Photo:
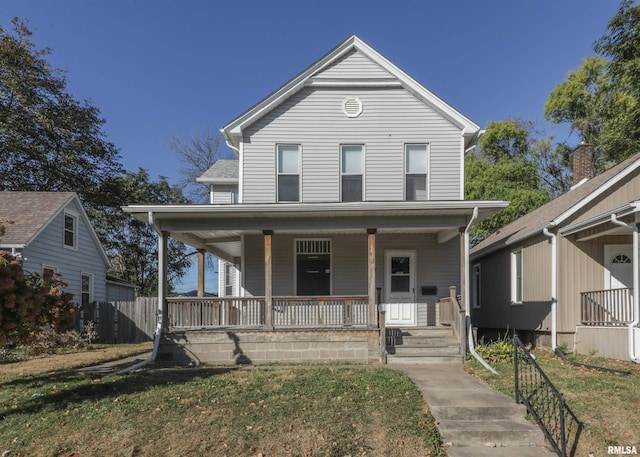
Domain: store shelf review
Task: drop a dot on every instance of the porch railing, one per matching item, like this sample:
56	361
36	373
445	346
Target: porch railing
613	307
213	312
451	312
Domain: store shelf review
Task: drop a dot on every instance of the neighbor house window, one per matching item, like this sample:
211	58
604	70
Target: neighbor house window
49	272
416	164
288	173
86	283
516	276
70	229
351	172
475	287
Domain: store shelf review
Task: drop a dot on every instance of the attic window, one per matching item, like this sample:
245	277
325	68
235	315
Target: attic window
352	106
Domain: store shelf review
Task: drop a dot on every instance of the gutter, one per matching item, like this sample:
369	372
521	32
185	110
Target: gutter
158	332
554	287
636	288
467	302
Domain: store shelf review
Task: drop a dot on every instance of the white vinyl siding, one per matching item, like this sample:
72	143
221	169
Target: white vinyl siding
516	277
351	166
313	118
354	65
222	194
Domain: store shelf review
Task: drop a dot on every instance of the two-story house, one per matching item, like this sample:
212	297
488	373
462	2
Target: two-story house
51	234
346	194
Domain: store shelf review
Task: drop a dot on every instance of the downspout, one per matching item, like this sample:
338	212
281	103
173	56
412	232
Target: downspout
554	287
636	287
158	333
467	301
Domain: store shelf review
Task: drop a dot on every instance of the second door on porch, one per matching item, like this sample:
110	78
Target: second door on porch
400	280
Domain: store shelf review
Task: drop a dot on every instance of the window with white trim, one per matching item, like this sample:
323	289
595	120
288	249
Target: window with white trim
70	231
288	173
228	280
416	169
87	288
351	172
516	277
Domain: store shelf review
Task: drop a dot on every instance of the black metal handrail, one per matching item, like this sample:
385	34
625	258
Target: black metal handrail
541	398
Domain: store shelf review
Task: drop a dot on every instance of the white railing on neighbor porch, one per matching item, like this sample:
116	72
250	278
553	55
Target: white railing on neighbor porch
310	312
613	307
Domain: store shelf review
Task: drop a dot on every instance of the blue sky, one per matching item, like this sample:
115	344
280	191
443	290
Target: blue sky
163	68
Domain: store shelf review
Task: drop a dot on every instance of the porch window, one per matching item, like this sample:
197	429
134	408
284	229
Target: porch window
70	228
86	283
228	280
313	267
516	277
351	171
288	173
475	287
416	169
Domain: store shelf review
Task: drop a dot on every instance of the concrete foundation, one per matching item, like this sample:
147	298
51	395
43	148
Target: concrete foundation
246	346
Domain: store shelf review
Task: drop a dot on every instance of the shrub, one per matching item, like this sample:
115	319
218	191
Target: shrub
29	302
500	351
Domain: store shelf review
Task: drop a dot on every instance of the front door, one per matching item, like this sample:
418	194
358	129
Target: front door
400	280
618	266
313	267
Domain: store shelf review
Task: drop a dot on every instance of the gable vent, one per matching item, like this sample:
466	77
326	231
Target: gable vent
352	106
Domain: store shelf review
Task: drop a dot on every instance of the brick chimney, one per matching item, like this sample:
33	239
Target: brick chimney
582	162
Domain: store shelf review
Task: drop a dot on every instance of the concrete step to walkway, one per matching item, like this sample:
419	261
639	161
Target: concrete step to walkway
422	359
473	419
426	345
410	350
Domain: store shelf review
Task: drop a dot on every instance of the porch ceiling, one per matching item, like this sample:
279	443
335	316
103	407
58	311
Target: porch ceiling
218	228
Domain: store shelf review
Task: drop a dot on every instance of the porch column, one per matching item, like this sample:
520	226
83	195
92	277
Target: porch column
163	278
268	287
371	278
201	272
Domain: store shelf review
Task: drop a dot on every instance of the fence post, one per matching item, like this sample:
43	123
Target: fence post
515	369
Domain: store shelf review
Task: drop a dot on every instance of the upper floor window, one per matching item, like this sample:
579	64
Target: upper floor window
70	230
516	277
416	172
351	173
288	173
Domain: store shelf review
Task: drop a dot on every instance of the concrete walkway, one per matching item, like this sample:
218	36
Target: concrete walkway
473	419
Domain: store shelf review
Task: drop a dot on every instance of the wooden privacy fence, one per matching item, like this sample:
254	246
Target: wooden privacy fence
120	321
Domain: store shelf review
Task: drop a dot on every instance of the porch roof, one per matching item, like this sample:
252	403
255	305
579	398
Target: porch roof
218	228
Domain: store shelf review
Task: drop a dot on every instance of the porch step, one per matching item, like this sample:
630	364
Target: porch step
424	345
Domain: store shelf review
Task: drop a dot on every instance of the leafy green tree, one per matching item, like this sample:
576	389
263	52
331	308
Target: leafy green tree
132	245
502	168
621	45
48	140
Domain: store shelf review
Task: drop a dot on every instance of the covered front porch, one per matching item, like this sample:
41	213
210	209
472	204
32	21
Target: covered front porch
314	280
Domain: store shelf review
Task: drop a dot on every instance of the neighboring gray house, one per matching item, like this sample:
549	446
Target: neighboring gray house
347	191
566	272
51	232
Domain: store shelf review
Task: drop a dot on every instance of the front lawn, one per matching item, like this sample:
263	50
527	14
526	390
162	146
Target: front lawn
607	404
302	411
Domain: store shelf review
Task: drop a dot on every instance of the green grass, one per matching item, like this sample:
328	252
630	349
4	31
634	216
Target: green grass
300	411
606	404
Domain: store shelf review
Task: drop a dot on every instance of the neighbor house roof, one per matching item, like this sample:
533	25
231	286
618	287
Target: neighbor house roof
223	171
30	212
233	130
558	210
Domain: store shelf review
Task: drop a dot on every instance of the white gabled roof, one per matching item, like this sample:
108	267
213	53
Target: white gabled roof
233	130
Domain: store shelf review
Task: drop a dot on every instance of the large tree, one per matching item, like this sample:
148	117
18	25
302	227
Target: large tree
503	167
132	245
601	99
197	155
48	140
